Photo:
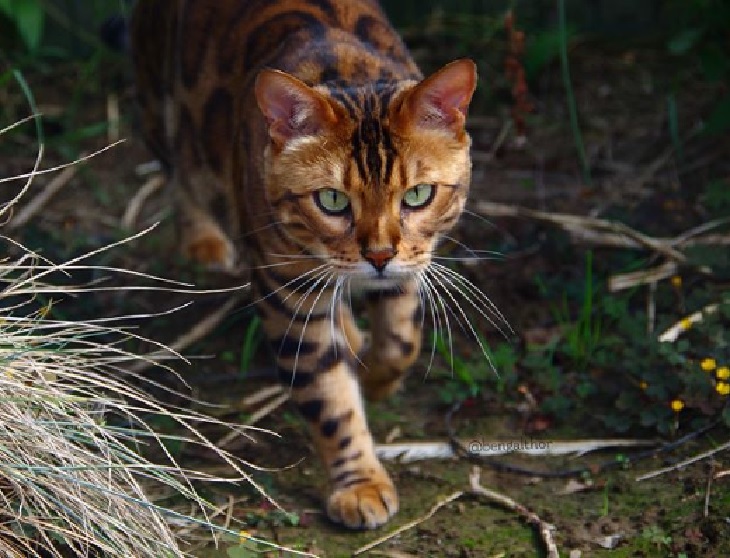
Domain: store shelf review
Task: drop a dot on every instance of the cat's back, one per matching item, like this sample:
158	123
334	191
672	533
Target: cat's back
208	40
202	56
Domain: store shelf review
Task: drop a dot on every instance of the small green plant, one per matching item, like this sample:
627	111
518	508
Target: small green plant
583	335
604	367
656	536
468	378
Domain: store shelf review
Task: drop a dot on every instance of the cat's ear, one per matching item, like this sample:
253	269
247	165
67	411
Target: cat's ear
292	109
441	100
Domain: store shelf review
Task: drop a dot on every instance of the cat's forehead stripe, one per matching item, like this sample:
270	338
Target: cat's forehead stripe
373	150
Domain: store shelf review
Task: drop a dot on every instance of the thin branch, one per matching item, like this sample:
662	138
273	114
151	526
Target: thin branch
546	529
682	464
673	333
436	507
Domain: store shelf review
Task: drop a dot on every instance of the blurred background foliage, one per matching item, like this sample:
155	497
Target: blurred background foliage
41	33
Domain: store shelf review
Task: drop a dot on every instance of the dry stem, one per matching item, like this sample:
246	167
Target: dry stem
684	463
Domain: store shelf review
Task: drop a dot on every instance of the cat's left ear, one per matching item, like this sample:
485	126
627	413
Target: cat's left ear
441	100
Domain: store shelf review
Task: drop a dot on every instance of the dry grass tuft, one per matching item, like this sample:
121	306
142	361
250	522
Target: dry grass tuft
72	482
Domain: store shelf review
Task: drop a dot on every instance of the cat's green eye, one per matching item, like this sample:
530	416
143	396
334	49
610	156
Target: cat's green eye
331	201
418	196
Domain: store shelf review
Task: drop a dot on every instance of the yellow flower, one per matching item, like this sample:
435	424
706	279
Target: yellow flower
643	384
243	536
723	388
723	373
676	281
685	323
708	364
677	405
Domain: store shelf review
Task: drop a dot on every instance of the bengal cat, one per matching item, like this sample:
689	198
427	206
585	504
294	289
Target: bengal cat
300	136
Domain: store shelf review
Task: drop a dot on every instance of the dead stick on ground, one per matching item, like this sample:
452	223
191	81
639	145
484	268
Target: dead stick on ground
576	224
684	463
546	529
153	184
37	203
197	332
267	409
436	507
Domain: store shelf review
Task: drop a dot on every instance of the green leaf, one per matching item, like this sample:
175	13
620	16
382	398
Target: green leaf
28	18
683	42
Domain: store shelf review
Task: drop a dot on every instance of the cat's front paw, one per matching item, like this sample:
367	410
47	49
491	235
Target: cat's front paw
364	506
213	251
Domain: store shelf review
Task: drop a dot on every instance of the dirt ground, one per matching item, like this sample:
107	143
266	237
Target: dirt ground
636	175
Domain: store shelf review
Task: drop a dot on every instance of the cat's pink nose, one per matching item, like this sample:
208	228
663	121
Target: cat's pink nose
379	258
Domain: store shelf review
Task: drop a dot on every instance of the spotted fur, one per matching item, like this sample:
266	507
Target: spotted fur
255	107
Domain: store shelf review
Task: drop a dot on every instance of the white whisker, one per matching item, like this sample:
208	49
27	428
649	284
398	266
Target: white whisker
438	279
438	303
459	280
306	322
285	285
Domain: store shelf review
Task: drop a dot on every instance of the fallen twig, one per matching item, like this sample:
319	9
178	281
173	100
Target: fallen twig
545	529
134	206
262	395
588	227
684	463
39	202
611	233
505	467
406	452
647	276
436	507
673	333
197	332
255	417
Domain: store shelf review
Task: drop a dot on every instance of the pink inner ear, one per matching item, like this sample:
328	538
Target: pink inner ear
443	98
292	109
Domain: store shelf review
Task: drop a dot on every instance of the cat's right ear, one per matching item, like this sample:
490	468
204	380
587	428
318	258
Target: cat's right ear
292	109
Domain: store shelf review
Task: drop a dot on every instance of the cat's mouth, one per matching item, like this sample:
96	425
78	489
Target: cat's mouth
366	276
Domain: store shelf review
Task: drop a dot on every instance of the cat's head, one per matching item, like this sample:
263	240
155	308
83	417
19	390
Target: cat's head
368	178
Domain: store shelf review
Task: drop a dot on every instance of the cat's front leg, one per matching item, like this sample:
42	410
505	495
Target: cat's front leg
396	321
315	359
